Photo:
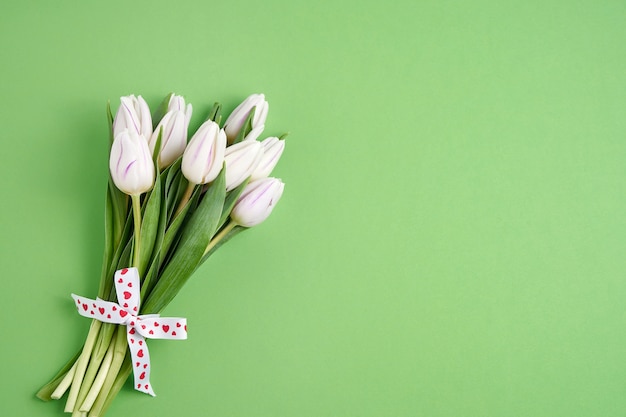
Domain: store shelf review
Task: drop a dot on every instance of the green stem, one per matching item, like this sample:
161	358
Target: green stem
119	353
230	226
45	392
94	370
117	349
184	199
99	381
64	384
81	365
137	219
122	376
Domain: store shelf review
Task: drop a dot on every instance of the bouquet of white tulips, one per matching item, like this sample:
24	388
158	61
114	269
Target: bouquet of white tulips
170	203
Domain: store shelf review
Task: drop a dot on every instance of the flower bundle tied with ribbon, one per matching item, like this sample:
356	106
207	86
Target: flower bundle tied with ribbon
170	203
138	328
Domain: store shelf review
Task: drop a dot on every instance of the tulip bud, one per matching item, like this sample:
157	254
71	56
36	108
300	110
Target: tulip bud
174	124
241	160
272	150
178	103
238	117
257	201
133	114
204	156
131	163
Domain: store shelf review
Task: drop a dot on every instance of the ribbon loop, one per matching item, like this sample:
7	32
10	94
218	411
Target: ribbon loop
127	289
138	328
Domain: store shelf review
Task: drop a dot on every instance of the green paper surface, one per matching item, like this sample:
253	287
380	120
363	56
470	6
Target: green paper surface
452	234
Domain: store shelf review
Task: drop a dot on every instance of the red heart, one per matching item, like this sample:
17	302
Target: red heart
143	326
142	376
85	307
132	323
135	308
131	331
145	365
101	310
146	386
177	324
120	280
173	333
140	353
127	295
94	305
125	305
140	342
151	332
185	327
114	308
124	271
108	316
137	364
138	385
166	328
123	313
91	312
130	285
78	301
156	324
132	340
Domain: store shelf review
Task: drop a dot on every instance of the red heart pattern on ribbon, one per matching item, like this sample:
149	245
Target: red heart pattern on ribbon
138	328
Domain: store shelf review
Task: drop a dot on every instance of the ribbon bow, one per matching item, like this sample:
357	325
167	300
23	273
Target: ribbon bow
137	327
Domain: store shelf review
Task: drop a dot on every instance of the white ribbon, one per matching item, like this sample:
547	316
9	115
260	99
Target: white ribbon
138	328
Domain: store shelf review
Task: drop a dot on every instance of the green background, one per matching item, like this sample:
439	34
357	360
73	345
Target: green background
451	239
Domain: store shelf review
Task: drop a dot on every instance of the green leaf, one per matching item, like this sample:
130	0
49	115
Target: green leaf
119	249
157	149
160	111
150	226
172	231
46	391
175	193
216	113
148	278
121	209
195	237
236	230
110	119
108	243
169	177
123	260
172	171
246	128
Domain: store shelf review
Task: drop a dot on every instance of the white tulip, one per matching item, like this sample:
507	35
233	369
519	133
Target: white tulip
257	201
204	156
175	125
131	163
272	150
134	115
241	160
238	117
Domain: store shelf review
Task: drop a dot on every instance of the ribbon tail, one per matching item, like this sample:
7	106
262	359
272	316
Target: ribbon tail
98	309
141	360
155	327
